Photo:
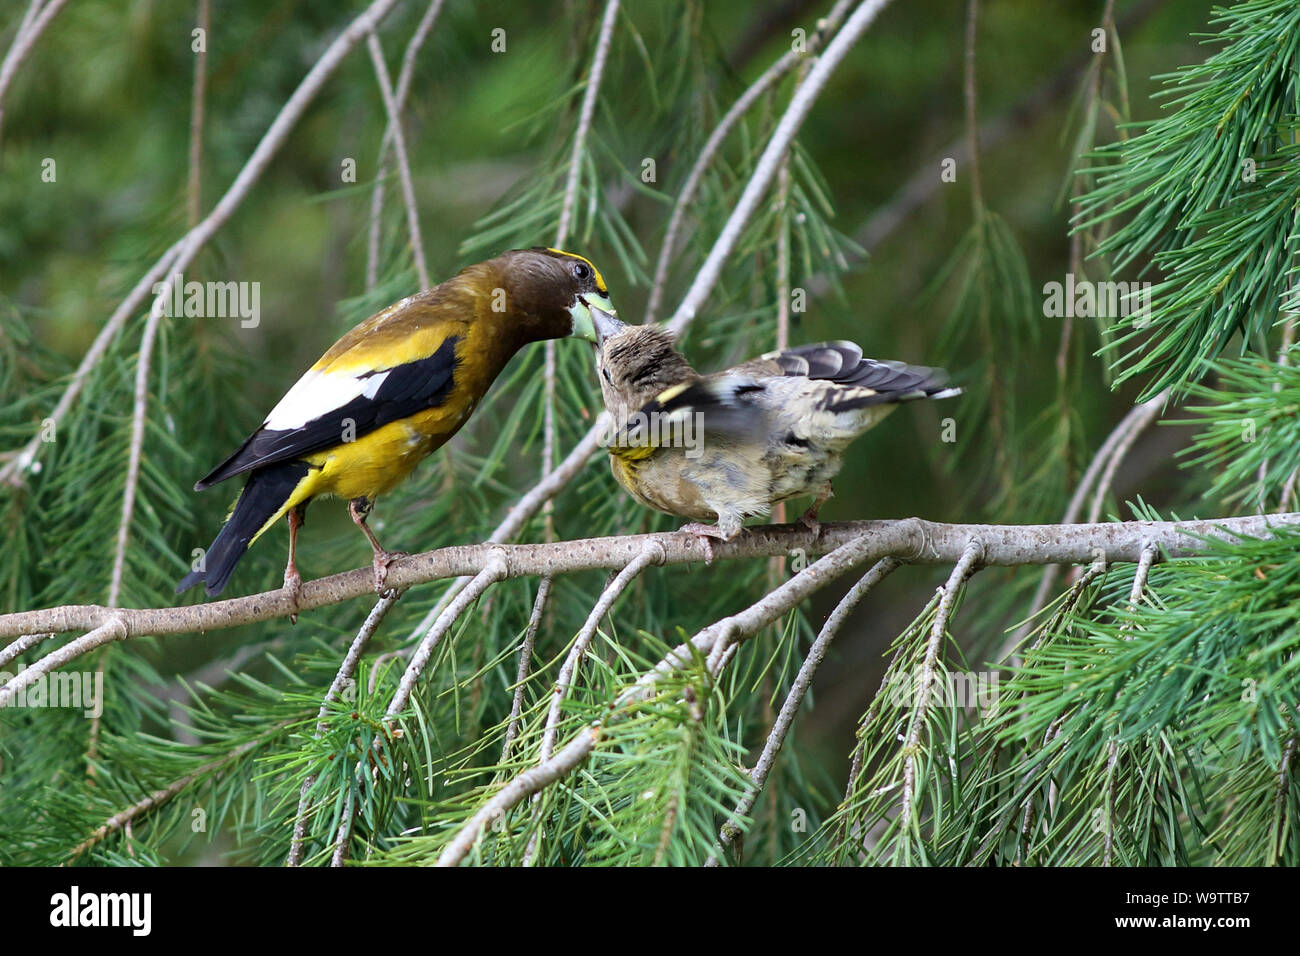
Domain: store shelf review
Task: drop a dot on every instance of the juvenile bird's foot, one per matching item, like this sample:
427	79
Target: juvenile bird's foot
706	533
809	518
382	560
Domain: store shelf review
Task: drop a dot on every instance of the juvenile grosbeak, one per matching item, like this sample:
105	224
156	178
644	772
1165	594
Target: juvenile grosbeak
764	431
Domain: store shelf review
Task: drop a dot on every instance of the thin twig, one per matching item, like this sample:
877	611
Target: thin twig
783	259
1288	490
1280	793
652	554
403	88
520	788
1140	576
589	97
860	749
972	555
125	818
525	656
803	680
1283	360
34	22
494	569
341	678
403	164
109	631
182	252
713	144
972	124
1112	759
343	839
576	156
22	645
1148	412
801	104
194	190
138	420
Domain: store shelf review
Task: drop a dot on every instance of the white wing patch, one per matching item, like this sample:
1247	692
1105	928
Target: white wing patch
317	394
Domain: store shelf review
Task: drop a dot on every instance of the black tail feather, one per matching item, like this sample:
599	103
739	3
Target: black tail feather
265	493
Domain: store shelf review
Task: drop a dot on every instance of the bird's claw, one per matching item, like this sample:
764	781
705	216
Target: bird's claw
381	562
293	585
809	520
706	533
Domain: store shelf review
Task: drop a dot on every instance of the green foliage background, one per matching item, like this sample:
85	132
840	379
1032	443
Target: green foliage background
958	281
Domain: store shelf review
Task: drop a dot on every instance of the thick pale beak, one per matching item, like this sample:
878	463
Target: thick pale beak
583	312
606	325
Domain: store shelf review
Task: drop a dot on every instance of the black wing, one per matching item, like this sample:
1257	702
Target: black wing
407	389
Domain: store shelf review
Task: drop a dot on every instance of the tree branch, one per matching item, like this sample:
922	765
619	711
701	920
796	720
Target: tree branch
913	539
971	556
800	104
713	144
403	88
33	25
525	656
349	667
803	680
1107	458
183	251
403	164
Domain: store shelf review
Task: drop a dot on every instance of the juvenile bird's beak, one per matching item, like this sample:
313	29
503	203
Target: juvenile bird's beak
583	311
605	324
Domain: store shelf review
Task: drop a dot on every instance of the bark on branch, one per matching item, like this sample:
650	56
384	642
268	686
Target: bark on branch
911	539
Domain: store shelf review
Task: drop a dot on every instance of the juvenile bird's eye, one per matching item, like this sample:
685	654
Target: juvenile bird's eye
581	271
609	378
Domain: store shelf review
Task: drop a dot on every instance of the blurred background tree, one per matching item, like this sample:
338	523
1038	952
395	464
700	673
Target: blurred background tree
957	161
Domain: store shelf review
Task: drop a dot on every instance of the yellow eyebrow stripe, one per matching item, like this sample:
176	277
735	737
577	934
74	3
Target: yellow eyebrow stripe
600	280
668	394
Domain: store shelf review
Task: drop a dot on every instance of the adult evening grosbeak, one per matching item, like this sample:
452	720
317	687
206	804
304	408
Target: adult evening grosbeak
725	446
392	391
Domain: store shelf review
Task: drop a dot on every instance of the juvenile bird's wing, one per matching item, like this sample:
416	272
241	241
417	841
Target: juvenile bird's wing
720	405
378	373
736	403
858	381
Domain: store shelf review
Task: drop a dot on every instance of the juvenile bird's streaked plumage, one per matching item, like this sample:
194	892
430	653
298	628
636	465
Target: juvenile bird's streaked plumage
392	391
772	428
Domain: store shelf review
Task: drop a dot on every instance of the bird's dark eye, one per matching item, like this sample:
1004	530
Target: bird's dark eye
581	271
609	378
